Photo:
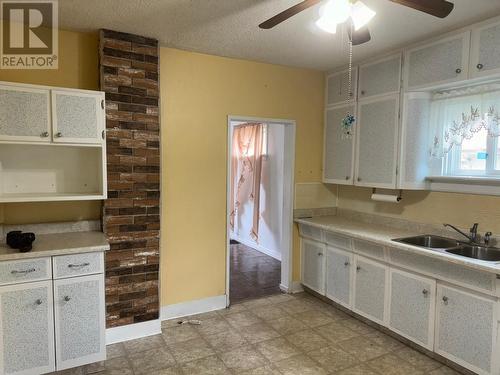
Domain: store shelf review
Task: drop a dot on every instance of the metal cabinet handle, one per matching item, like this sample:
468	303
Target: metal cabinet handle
58	135
445	300
458	71
320	254
79	265
103	134
425	292
358	268
44	134
15	272
67	298
346	264
359	178
346	177
480	66
38	302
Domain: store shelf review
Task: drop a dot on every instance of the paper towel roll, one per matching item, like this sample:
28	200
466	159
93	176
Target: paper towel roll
386	198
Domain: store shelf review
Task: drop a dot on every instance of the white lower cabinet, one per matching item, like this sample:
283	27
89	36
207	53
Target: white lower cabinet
26	329
313	265
411	307
465	328
339	275
370	289
79	319
51	324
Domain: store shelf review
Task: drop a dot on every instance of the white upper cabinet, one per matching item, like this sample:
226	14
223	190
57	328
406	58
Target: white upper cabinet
338	152
377	140
24	114
77	117
337	87
485	51
442	61
380	77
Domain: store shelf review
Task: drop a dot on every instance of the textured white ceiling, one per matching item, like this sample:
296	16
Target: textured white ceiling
230	27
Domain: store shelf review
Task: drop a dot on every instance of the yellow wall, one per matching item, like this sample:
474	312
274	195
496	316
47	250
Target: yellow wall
198	93
429	207
78	68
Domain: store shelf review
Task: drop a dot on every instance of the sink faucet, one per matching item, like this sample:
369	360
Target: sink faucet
472	236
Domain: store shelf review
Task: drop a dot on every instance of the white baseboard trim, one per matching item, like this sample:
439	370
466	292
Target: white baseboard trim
133	331
295	287
200	306
262	249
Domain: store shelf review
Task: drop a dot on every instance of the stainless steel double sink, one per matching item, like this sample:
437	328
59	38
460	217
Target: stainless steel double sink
451	246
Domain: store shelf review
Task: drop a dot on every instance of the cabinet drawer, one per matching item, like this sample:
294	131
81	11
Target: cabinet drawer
21	271
78	264
337	240
311	232
369	249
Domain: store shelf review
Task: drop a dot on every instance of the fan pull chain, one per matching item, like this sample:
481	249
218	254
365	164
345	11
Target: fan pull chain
349	119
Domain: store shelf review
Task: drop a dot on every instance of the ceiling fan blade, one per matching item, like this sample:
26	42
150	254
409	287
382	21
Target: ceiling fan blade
359	36
438	8
286	14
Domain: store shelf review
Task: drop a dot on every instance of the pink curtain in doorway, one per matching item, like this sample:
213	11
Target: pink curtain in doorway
246	168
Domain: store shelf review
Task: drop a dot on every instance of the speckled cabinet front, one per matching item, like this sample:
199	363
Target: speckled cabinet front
380	77
411	307
26	329
370	285
442	61
338	275
485	54
313	265
337	87
79	320
24	114
77	117
465	328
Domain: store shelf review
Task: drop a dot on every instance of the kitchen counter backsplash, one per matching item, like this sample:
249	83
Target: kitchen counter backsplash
50	228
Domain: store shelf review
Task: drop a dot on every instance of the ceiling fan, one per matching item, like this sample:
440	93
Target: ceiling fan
356	13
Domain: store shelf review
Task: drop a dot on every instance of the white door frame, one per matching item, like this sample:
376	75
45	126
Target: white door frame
288	191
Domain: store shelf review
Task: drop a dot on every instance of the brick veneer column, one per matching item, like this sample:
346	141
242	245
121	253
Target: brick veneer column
129	75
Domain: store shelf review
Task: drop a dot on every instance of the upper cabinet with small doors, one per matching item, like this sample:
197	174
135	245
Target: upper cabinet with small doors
436	63
43	114
380	77
337	87
485	51
52	144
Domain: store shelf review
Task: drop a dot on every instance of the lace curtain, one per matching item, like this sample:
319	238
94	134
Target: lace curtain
459	114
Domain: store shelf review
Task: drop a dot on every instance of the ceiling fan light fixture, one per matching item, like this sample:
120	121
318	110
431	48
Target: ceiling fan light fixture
334	12
361	14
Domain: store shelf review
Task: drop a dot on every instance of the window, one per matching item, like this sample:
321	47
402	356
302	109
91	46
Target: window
465	127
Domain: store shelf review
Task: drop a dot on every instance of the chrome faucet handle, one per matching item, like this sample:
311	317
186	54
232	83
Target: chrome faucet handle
473	231
487	238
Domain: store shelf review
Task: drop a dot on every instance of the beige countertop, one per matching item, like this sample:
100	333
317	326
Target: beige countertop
383	235
47	245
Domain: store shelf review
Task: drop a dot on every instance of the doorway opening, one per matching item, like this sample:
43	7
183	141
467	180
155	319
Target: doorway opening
259	207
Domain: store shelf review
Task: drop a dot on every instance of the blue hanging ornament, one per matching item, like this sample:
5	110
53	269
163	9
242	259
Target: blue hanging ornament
347	124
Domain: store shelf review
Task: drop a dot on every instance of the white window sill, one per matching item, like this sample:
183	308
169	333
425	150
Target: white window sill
486	185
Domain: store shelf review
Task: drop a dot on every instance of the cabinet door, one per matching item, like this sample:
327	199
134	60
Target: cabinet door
338	149
411	307
381	77
440	62
339	275
337	87
79	321
376	149
370	284
27	329
77	117
465	328
313	265
485	54
24	114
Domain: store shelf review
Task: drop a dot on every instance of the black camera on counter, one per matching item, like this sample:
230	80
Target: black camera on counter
19	240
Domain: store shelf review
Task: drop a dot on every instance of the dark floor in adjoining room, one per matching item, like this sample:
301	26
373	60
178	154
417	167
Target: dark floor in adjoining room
252	274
